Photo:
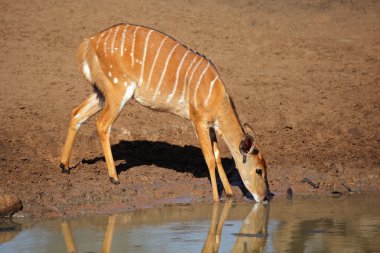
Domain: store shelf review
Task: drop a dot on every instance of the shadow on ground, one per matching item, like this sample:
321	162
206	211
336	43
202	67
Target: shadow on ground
187	159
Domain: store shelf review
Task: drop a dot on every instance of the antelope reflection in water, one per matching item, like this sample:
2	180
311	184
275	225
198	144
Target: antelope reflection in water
251	237
107	241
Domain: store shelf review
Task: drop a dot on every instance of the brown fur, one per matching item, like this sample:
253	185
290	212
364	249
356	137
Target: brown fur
145	65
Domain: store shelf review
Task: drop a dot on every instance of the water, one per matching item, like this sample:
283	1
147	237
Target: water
303	224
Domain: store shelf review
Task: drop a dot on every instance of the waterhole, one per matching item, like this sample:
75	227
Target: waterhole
350	223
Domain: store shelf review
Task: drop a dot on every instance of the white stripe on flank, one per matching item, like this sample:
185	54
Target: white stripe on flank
154	62
99	39
210	90
164	71
123	40
128	94
133	46
191	78
113	39
105	41
198	83
170	97
144	55
184	80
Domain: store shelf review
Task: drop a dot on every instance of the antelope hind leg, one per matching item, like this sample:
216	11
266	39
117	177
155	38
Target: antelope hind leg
79	115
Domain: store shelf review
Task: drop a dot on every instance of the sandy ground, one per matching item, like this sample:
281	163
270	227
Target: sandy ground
305	74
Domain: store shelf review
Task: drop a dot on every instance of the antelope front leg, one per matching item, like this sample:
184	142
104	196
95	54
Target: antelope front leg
69	241
222	174
205	143
214	234
79	115
107	241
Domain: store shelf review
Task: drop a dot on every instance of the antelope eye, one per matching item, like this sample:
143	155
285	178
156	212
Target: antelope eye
259	171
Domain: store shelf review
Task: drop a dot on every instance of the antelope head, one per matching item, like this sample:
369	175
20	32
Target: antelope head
254	168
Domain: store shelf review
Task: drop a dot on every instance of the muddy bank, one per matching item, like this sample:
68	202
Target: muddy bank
304	74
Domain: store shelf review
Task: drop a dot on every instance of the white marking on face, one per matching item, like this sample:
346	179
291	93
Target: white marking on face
122	49
257	199
115	80
106	41
109	74
128	94
110	66
125	84
113	40
170	97
133	45
210	90
154	62
184	80
144	55
164	71
246	183
198	83
86	70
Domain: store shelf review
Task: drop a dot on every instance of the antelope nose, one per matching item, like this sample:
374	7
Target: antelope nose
266	198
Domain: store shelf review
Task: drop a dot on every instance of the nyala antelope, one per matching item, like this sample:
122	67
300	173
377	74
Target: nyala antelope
129	61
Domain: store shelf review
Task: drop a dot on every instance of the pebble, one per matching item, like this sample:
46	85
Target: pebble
289	193
9	204
22	215
336	194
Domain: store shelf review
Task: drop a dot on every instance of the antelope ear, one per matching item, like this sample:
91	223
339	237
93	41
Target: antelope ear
248	129
247	144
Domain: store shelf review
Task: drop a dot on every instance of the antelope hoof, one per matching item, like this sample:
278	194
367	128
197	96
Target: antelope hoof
114	181
64	170
230	194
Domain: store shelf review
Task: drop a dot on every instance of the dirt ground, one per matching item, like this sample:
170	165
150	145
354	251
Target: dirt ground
305	74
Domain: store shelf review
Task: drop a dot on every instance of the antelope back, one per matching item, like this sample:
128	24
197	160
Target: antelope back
168	75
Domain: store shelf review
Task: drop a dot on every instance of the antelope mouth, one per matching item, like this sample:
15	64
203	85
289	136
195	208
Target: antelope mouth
265	200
